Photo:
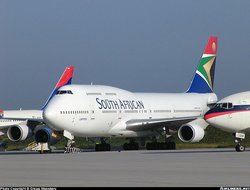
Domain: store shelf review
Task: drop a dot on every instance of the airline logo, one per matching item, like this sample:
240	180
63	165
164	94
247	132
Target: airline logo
204	76
207	63
119	104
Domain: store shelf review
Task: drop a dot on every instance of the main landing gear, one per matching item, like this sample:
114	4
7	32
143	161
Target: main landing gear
132	145
103	146
161	146
168	144
238	139
70	147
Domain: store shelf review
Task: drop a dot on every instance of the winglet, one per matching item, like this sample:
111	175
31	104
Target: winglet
65	79
204	76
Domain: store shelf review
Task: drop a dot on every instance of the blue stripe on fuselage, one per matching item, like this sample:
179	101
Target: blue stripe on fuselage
235	108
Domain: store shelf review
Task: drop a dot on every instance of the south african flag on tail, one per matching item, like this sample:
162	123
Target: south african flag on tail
204	76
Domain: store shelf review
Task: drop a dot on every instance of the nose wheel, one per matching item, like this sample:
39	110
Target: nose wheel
240	148
238	139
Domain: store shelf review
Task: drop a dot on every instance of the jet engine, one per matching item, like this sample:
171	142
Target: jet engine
46	134
19	132
193	131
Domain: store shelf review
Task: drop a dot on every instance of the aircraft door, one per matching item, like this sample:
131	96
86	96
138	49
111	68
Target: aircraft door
172	111
73	118
92	112
149	112
119	114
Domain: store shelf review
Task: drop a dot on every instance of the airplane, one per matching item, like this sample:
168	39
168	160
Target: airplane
22	124
231	114
106	111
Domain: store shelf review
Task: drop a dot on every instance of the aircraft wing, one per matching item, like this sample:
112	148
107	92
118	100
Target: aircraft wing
151	124
32	115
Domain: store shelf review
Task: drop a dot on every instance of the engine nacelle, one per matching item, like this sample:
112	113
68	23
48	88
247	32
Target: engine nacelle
193	131
46	134
19	132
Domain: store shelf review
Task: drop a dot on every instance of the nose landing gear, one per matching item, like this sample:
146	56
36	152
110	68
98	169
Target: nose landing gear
238	139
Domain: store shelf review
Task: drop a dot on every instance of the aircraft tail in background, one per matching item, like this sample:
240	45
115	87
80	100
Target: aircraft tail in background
65	79
204	76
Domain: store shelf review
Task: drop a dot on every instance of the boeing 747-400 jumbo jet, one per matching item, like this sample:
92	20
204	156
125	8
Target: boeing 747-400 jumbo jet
232	114
105	111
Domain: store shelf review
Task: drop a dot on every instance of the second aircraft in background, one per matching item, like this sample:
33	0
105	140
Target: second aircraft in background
22	124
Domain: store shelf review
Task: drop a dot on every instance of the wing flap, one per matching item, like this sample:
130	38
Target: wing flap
32	115
151	124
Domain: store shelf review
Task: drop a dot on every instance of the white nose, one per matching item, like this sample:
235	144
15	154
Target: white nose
50	116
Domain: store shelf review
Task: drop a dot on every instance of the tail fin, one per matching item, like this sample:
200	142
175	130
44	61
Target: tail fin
204	76
65	79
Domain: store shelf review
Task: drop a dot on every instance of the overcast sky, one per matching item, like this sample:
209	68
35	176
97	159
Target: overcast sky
137	45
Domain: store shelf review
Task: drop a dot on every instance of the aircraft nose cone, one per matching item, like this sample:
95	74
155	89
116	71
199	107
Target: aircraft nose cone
208	114
49	116
211	117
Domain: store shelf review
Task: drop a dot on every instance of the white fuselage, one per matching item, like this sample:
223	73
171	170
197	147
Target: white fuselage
102	111
231	114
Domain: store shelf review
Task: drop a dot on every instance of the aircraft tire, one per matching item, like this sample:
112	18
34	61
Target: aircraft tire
161	146
131	146
152	146
240	148
171	146
102	147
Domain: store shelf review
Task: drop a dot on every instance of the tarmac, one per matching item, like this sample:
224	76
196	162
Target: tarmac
160	168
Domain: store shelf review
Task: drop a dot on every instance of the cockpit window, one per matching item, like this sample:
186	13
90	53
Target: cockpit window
224	105
227	105
217	105
64	92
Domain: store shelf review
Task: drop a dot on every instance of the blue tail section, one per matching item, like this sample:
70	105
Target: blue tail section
199	85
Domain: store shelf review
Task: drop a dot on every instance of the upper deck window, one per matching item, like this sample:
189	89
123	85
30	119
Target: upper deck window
64	92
